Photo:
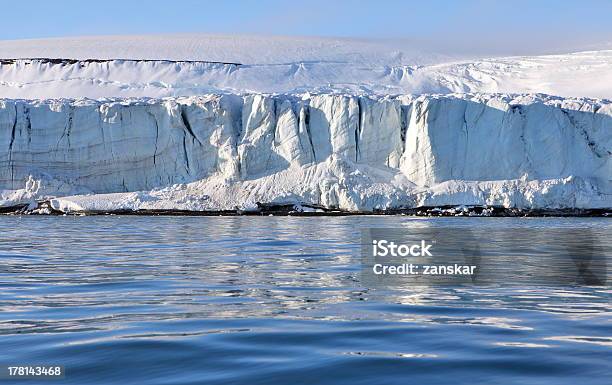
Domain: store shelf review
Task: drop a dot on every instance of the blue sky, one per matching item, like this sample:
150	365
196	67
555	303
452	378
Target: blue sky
456	23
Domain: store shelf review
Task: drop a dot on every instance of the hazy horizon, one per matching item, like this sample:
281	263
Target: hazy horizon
467	27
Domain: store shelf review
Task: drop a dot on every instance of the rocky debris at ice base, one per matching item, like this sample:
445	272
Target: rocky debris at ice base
227	152
298	208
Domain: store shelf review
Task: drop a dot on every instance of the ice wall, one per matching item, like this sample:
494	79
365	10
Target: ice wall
497	138
115	146
407	143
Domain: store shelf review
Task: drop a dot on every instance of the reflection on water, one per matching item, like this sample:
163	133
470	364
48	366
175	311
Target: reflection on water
276	300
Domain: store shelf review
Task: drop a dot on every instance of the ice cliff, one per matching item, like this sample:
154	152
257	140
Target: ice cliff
222	151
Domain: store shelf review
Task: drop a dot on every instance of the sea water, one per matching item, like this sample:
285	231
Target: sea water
277	300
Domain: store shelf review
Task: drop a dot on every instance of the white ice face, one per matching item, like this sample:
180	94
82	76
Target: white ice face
352	152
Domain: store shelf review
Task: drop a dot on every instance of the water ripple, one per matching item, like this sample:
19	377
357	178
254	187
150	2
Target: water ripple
186	300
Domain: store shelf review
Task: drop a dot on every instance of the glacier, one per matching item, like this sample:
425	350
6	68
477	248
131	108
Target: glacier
569	75
360	153
193	64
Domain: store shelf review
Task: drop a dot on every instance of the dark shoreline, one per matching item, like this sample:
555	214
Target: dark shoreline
67	61
44	208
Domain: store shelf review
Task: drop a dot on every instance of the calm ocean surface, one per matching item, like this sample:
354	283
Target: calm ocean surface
277	300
